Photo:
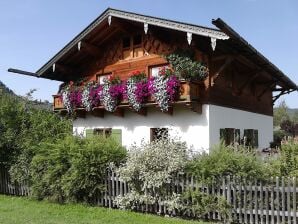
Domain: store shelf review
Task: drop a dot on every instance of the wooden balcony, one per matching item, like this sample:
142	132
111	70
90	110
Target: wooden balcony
190	93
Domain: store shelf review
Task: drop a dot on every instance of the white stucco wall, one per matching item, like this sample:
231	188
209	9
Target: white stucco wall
200	131
184	123
222	117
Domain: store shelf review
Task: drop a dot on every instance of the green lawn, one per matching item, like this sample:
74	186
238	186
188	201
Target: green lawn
25	211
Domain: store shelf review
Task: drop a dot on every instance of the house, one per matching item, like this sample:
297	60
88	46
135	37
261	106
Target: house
232	97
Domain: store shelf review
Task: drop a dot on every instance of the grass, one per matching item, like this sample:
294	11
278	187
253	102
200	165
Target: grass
16	210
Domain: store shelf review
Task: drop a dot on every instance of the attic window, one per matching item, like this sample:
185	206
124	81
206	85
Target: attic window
132	46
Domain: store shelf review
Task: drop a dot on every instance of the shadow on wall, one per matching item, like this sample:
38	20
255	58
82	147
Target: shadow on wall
182	117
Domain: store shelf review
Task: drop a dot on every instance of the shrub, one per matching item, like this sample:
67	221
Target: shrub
148	170
72	169
201	203
287	163
226	160
39	125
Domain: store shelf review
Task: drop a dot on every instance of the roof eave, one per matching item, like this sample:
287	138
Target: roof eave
219	23
165	23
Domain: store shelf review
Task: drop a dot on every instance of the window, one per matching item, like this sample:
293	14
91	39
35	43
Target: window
230	136
101	78
158	133
154	71
132	46
106	132
251	138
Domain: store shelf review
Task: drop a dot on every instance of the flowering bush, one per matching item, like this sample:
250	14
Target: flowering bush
164	88
137	89
148	171
113	91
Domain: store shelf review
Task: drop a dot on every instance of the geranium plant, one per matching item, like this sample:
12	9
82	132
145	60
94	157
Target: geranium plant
137	89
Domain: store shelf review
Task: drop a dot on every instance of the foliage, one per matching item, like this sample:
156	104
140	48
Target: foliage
278	136
23	210
226	160
280	114
186	68
201	203
72	169
22	124
12	118
148	170
287	163
289	127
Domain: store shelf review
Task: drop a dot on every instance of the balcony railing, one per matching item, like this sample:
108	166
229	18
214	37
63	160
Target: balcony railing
190	93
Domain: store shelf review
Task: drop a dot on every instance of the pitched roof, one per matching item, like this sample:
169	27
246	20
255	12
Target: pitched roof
253	54
225	33
109	13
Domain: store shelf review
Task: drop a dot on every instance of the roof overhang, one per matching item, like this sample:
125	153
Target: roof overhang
255	56
108	15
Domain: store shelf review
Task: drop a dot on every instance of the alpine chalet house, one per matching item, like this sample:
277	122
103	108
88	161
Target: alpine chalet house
138	78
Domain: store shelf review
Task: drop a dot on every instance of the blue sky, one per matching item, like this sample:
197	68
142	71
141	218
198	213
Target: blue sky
32	31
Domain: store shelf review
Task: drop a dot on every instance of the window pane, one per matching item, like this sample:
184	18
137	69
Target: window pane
101	78
155	70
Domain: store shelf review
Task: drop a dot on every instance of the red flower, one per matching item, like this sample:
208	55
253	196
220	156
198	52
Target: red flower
111	78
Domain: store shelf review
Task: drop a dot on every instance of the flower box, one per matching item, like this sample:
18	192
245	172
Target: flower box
189	94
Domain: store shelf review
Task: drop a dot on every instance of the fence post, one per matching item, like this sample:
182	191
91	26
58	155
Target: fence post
256	213
294	200
283	199
289	199
277	199
261	207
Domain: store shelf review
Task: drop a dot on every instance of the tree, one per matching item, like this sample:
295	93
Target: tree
280	114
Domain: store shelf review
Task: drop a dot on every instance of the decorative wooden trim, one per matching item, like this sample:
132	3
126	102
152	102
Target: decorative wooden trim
119	112
268	87
89	48
248	81
81	113
62	68
280	94
142	111
98	112
227	62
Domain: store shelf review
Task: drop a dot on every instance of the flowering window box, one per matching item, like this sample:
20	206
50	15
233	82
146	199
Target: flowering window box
189	95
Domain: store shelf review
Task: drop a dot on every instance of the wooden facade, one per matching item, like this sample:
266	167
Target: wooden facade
118	43
228	84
